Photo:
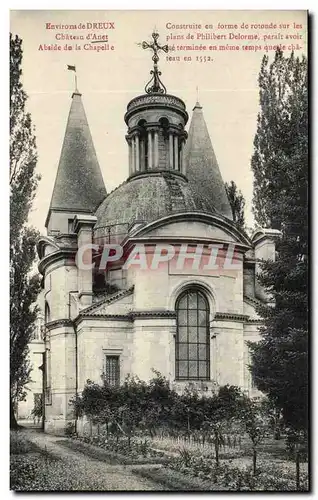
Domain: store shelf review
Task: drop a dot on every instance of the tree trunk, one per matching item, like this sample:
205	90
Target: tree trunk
216	446
13	421
297	470
254	461
277	435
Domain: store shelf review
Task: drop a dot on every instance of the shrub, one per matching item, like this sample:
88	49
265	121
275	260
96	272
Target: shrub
233	478
143	406
70	429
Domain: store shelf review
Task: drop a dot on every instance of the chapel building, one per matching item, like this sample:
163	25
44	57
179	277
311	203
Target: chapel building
190	316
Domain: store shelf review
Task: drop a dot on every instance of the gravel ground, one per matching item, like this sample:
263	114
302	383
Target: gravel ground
94	474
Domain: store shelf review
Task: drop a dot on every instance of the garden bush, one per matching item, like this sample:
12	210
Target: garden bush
139	406
234	478
136	447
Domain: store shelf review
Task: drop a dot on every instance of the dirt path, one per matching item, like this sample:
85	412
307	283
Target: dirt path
100	475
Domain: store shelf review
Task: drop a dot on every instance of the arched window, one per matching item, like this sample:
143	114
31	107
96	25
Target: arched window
192	339
47	313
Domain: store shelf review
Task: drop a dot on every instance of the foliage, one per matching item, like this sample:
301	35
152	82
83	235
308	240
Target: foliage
115	450
172	479
280	166
237	203
226	476
23	471
23	183
136	447
137	406
33	473
255	418
20	444
37	410
70	429
281	142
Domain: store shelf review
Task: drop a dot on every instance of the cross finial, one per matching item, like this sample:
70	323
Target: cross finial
157	85
197	89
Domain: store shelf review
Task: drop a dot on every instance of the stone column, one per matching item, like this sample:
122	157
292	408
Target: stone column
213	355
176	153
149	150
156	150
181	157
170	150
130	157
133	155
142	154
83	226
137	154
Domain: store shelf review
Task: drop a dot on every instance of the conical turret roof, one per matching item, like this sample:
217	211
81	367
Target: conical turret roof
79	184
202	168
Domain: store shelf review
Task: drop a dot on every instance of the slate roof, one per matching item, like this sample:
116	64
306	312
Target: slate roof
145	199
150	197
79	184
202	168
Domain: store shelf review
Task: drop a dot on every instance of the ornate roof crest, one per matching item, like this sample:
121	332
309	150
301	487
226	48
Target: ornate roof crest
155	85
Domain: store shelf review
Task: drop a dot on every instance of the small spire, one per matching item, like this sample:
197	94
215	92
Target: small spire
73	68
79	184
155	85
201	166
197	104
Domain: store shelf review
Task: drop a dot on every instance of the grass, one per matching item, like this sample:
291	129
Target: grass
108	456
29	464
19	444
176	481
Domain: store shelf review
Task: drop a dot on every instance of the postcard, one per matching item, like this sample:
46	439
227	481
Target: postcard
158	250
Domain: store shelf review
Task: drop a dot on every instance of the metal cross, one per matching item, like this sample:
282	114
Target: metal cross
157	85
155	47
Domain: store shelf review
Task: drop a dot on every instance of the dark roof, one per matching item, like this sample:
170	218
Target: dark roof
202	168
79	183
145	199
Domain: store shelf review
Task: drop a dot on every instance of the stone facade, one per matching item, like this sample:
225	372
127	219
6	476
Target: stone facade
134	321
34	389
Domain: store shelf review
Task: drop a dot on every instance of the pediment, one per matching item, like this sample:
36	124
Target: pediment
120	303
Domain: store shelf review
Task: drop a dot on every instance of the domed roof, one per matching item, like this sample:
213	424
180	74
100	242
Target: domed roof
145	199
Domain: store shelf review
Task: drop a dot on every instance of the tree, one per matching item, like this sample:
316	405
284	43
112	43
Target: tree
255	418
24	288
280	166
281	141
237	203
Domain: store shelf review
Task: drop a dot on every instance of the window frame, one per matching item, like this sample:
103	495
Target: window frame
108	356
190	328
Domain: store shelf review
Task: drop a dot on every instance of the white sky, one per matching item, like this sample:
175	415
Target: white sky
228	88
